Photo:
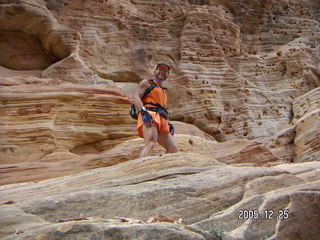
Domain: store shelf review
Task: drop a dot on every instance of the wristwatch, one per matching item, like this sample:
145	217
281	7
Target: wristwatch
143	109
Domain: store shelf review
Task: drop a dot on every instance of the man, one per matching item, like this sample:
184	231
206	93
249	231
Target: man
152	123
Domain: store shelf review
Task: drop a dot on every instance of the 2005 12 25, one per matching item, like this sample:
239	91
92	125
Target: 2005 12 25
254	214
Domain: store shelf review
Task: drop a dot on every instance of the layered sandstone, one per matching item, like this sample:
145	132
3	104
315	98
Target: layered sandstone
45	125
307	120
243	96
237	64
205	194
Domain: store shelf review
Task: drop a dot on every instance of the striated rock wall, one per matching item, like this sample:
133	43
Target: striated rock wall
40	120
237	64
307	120
274	59
243	95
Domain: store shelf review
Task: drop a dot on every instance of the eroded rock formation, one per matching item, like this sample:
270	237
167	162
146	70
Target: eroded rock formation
205	194
243	95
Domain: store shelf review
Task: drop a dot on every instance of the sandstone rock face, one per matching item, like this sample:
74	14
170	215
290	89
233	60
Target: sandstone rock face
204	193
243	96
44	124
237	64
30	55
307	116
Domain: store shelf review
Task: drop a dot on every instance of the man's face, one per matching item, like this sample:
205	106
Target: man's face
161	74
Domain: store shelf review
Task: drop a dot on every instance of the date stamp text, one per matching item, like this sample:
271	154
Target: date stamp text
254	214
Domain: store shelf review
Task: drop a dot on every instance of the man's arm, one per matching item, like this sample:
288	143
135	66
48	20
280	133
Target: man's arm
140	90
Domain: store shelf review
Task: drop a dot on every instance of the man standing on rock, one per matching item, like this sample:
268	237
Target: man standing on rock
151	100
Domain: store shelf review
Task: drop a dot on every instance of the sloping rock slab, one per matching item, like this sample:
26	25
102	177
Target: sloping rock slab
109	230
193	187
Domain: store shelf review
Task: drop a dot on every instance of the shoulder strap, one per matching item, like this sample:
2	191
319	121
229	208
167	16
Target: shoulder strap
149	89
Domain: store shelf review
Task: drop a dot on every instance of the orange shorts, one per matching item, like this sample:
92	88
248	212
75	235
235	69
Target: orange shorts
160	122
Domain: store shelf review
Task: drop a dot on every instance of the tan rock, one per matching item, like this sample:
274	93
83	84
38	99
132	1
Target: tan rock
243	91
281	145
30	56
193	187
72	69
115	231
42	123
222	58
93	142
274	213
32	17
306	111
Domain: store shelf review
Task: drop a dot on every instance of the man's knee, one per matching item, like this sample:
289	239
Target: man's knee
172	148
151	144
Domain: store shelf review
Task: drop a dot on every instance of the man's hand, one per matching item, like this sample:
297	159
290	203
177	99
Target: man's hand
146	118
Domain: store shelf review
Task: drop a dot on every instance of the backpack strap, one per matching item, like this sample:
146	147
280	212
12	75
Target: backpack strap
158	108
150	88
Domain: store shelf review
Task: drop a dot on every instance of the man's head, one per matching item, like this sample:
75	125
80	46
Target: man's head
162	71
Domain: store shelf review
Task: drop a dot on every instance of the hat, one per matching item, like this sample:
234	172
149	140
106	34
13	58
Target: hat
163	66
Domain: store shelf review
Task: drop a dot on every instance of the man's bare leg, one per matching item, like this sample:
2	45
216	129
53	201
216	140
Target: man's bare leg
150	135
167	141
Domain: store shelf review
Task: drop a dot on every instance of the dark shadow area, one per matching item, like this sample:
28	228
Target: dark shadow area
24	51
